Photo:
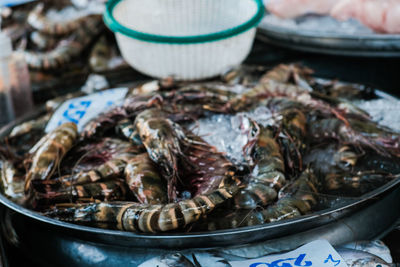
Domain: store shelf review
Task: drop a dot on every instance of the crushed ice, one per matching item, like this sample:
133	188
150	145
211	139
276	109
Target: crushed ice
229	133
226	132
383	110
319	24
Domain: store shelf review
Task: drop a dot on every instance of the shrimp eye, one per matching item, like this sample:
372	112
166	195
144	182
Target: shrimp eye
176	255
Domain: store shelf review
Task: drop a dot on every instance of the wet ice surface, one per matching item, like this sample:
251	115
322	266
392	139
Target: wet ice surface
384	111
319	24
229	133
225	133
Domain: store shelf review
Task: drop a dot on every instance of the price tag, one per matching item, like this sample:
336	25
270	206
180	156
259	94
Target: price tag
82	109
317	254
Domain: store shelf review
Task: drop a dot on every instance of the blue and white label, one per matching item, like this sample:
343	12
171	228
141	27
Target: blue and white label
81	110
318	253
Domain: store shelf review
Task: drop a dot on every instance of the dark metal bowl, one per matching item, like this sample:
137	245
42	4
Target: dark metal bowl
50	240
367	45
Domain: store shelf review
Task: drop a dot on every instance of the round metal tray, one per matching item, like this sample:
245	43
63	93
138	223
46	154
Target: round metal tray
51	242
367	45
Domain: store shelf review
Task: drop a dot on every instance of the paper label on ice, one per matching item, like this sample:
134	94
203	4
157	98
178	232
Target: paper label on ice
318	253
82	109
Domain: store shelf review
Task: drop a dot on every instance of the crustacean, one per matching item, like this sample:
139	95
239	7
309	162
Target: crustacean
141	166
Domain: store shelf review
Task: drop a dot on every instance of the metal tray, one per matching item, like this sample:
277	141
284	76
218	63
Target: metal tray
51	242
366	45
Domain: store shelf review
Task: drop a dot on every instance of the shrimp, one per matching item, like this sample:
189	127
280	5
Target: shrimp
245	75
298	198
11	182
332	158
43	42
204	93
103	122
127	129
101	55
356	184
163	140
24	136
32	125
37	19
145	182
107	120
274	83
210	170
268	175
346	172
136	217
48	194
49	151
114	155
293	127
293	82
114	167
185	104
66	49
358	133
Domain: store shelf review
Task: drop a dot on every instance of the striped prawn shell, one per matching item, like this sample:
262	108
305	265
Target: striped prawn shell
164	141
66	49
38	20
302	192
268	176
48	60
119	153
283	73
274	83
103	122
161	218
144	180
51	149
110	169
43	41
11	182
299	199
128	130
136	217
50	194
27	127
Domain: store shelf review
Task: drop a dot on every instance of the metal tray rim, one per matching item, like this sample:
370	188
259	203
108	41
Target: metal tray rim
330	43
37	216
318	35
373	195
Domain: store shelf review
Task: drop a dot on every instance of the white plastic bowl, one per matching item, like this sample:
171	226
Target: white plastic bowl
185	39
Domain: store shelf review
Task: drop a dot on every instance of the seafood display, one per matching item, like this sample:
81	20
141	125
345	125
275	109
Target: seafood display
61	39
67	49
295	146
381	16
